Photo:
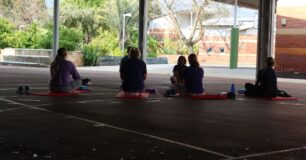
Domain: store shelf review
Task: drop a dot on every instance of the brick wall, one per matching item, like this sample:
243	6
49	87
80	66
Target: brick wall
291	41
247	43
290	60
290	22
290	53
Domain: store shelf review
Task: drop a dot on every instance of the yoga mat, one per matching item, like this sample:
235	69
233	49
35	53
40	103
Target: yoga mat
209	97
123	95
283	98
58	94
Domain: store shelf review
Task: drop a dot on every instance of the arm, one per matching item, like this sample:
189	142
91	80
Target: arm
259	78
121	76
122	70
145	76
75	74
144	71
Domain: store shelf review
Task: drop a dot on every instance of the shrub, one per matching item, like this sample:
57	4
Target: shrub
70	38
105	44
6	29
153	47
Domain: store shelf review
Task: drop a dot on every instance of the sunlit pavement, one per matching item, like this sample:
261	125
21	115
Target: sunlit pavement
98	126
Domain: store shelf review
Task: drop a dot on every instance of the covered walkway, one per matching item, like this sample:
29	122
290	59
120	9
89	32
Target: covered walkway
98	126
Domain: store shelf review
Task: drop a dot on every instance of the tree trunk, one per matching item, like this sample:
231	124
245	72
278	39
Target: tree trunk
190	48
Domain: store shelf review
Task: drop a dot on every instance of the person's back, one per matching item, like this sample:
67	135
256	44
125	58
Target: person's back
194	80
61	70
133	73
267	81
62	77
193	76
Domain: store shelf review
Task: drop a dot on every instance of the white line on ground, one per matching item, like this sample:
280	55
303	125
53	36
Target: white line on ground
269	153
114	102
293	104
127	130
91	101
98	125
22	104
154	137
153	101
11	109
30	100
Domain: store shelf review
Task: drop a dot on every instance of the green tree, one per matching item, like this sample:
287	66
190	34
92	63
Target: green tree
113	12
86	3
24	12
70	38
6	28
84	15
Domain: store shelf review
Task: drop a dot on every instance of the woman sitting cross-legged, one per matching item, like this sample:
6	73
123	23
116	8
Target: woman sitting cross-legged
178	75
266	82
133	73
193	77
61	72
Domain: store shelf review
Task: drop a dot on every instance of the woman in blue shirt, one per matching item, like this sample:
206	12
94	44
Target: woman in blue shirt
133	73
193	76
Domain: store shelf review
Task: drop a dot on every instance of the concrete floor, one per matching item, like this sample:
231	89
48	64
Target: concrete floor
97	126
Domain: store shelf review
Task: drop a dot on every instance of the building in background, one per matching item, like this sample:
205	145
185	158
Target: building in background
290	44
214	47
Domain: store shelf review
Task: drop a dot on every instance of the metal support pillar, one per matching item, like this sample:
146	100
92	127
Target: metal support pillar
55	27
266	27
142	36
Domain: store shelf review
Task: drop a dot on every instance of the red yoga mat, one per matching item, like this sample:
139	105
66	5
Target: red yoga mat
209	97
283	98
54	94
123	95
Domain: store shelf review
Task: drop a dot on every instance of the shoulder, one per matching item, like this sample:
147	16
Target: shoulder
175	67
69	63
141	62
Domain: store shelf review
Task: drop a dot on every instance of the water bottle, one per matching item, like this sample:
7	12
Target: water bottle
233	88
231	94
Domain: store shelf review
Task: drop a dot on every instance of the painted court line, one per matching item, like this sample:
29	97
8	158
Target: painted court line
269	153
95	123
25	105
153	101
30	100
11	109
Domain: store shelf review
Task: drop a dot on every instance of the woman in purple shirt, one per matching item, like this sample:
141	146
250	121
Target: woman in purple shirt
193	76
61	72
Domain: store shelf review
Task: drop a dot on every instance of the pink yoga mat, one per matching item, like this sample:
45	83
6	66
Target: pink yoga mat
52	94
209	97
283	98
123	95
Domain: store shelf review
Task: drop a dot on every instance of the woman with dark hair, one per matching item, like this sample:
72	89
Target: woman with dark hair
133	73
266	82
178	70
177	78
193	76
61	70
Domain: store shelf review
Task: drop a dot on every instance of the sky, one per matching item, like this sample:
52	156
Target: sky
49	3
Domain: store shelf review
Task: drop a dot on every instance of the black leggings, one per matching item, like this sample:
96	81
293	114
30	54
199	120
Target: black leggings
253	91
